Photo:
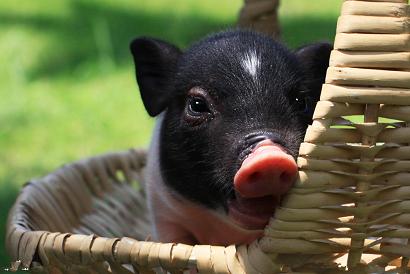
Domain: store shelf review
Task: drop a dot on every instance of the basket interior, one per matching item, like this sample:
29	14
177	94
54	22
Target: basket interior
101	196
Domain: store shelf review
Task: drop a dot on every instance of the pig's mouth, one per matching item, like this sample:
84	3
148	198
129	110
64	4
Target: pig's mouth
265	175
252	213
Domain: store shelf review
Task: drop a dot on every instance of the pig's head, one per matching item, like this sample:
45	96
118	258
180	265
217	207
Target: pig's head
236	107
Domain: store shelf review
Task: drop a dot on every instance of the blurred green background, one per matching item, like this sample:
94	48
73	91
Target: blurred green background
67	87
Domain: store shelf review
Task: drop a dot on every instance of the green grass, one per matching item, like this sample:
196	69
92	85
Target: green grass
67	84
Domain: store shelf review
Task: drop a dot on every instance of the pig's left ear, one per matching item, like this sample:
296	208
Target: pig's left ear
155	67
315	61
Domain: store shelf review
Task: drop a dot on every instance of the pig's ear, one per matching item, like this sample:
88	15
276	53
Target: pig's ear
155	67
315	61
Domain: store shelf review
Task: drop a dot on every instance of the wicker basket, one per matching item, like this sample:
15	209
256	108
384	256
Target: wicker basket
260	15
348	212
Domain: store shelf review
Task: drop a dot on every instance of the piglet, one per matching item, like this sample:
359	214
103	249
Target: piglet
232	111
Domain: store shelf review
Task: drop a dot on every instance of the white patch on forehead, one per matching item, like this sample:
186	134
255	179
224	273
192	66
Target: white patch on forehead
251	63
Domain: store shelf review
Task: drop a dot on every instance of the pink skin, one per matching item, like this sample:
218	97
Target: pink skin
268	170
181	221
266	174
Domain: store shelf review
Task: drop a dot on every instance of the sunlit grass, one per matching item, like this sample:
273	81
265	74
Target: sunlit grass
67	84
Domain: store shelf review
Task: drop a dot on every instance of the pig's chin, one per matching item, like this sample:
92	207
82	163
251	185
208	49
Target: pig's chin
252	213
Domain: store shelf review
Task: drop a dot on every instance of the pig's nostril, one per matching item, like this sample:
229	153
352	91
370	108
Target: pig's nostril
285	178
254	177
256	137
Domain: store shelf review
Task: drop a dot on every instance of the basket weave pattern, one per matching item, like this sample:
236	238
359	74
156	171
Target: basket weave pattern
352	196
349	210
56	218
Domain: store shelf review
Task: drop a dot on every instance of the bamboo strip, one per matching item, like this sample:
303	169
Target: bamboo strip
375	9
328	109
327	152
358	235
299	246
315	200
390	231
391	1
306	235
395	232
353	165
333	135
309	179
389	151
372	42
363	95
396	179
317	135
368	77
218	259
261	261
232	261
395	135
396	206
308	214
383	223
398	153
319	246
395	112
401	166
385	60
328	165
372	24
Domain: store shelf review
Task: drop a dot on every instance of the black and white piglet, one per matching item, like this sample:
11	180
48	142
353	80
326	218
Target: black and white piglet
232	111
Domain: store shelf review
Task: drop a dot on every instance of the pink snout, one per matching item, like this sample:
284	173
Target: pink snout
268	170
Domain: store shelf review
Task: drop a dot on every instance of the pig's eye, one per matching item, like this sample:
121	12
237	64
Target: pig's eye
197	106
303	104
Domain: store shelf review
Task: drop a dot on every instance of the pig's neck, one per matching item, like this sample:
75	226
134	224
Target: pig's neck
176	219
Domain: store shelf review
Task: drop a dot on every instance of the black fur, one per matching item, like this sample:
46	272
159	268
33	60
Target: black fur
155	63
199	160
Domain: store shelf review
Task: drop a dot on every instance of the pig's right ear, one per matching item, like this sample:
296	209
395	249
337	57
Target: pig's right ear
315	61
155	67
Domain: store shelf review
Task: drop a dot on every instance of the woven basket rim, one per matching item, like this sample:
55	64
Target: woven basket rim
26	245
